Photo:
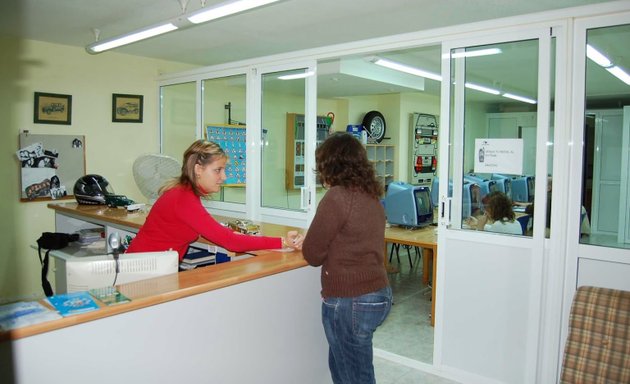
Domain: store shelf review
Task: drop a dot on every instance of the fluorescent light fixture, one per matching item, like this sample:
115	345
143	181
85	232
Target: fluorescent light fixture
405	68
620	74
519	98
597	57
226	9
478	52
101	46
296	76
482	88
216	12
603	61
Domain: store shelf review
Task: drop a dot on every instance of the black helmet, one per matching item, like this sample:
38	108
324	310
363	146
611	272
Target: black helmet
91	189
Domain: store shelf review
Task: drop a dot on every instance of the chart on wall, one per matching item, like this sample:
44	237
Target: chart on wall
50	165
232	138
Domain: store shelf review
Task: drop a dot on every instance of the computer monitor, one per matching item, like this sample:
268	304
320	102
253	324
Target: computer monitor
89	272
486	186
523	189
471	196
504	184
408	205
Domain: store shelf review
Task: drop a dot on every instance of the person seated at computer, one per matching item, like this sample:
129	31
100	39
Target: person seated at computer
178	217
498	216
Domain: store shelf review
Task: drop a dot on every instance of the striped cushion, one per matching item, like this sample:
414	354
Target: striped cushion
598	345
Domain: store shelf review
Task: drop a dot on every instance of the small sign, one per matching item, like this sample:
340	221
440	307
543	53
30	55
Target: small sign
499	156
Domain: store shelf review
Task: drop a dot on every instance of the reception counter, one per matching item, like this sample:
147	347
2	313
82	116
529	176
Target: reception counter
254	320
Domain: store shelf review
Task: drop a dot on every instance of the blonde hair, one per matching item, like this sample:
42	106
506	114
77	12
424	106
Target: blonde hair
200	152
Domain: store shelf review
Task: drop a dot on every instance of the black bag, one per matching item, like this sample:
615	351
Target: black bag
51	240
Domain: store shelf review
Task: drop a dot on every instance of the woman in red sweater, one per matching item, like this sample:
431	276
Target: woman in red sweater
178	217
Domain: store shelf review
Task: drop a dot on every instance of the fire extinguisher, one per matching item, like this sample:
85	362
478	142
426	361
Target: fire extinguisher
434	163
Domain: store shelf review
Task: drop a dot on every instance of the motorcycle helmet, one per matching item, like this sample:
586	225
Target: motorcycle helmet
91	189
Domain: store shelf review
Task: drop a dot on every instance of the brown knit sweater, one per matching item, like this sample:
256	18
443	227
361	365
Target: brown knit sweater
347	238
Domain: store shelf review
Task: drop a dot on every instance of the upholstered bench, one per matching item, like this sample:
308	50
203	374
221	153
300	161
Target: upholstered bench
598	344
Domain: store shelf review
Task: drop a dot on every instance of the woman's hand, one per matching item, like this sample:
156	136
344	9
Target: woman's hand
294	240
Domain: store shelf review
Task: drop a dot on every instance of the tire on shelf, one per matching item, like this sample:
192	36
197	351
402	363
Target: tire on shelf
374	124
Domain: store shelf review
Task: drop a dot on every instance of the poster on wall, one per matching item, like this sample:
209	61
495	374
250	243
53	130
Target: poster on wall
50	165
499	156
233	140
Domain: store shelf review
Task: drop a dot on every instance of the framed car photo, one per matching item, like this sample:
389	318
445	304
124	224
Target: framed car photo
127	108
52	108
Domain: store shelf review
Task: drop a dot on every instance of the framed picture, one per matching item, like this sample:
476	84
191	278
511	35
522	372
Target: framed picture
52	108
127	108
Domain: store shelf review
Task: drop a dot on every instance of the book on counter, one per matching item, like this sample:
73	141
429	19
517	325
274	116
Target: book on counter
22	314
109	295
196	259
73	303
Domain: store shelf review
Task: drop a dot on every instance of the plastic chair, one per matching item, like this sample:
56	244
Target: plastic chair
524	221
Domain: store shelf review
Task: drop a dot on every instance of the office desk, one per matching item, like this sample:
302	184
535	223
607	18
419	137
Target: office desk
255	320
425	238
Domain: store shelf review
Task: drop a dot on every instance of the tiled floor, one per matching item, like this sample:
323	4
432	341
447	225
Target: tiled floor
407	331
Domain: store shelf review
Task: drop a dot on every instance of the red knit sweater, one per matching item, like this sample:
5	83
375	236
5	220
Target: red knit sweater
178	218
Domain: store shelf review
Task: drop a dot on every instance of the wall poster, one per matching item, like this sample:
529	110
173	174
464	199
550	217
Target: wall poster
233	140
50	165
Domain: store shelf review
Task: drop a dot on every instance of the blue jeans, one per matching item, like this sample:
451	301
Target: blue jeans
349	323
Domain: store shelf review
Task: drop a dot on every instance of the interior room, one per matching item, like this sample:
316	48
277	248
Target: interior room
282	77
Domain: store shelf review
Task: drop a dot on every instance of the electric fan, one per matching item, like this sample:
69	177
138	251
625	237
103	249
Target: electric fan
151	172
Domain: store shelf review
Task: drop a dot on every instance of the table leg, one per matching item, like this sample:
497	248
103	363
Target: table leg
388	267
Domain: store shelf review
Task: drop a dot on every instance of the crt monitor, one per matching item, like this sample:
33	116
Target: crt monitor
471	195
523	189
504	184
89	272
408	205
486	186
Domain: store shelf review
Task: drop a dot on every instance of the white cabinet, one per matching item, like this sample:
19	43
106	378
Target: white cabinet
382	156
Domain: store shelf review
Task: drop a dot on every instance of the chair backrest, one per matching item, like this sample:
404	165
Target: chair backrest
524	221
598	344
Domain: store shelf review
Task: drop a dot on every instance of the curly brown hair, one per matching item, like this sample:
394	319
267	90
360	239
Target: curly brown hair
342	160
499	206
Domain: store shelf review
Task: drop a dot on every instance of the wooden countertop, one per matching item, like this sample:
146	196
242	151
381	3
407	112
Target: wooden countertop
162	289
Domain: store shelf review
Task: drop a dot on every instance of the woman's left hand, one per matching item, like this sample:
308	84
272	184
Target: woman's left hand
295	239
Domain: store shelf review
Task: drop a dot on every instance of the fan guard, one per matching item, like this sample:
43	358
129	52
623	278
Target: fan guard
151	172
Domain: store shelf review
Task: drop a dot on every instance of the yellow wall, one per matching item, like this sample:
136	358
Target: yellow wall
29	66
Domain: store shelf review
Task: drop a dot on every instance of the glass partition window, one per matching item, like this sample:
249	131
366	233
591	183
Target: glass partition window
178	118
604	214
499	117
224	111
282	165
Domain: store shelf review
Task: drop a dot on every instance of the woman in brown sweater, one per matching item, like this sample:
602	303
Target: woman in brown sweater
346	238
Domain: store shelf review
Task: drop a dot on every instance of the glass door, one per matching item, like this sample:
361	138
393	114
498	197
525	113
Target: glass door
496	111
288	137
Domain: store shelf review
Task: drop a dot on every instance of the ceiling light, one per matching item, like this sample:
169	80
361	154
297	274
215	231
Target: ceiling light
605	62
475	53
179	22
101	46
405	68
296	76
226	9
620	74
597	57
519	98
482	88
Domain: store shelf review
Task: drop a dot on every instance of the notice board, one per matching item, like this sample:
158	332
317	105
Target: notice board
50	165
233	140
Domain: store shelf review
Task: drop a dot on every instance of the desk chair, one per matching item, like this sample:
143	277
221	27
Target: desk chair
524	221
396	247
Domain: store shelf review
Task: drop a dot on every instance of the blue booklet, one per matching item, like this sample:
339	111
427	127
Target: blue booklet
21	314
73	303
